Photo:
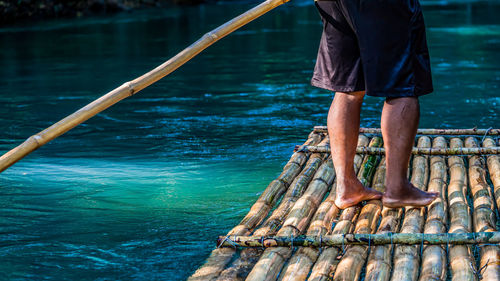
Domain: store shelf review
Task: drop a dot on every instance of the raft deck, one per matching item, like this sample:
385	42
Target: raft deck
463	165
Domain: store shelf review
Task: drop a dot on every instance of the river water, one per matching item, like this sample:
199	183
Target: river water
142	190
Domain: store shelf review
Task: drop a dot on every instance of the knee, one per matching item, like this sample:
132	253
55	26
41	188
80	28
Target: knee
351	96
402	100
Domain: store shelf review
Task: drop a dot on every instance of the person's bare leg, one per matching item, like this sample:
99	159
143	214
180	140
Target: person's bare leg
343	129
399	124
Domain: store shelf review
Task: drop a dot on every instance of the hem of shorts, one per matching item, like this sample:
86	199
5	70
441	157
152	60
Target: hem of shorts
335	88
400	93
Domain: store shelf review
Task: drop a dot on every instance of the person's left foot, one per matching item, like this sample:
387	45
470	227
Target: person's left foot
352	192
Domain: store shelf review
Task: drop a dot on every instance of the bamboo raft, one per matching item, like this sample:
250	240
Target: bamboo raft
294	231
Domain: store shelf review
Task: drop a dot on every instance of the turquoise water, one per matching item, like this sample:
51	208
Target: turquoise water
142	190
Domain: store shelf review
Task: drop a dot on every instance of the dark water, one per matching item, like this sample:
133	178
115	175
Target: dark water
142	190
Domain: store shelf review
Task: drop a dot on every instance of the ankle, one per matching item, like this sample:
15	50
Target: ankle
347	184
397	188
396	182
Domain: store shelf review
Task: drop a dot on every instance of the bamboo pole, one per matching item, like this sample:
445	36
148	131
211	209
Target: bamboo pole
300	264
327	262
456	132
132	87
494	169
363	239
484	215
379	267
261	271
351	264
415	150
379	264
294	192
272	260
248	258
434	256
219	258
460	257
406	258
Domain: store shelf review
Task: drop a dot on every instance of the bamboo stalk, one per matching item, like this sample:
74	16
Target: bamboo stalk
494	169
220	257
379	262
434	256
272	260
406	258
415	150
351	264
327	262
484	215
132	87
300	263
269	264
379	267
364	239
473	131
248	258
460	257
294	192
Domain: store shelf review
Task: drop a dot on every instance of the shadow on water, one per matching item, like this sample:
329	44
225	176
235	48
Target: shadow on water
141	190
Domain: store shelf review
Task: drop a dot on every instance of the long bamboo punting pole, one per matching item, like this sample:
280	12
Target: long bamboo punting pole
249	257
484	214
351	264
494	169
456	132
132	87
327	262
364	239
406	258
415	150
272	260
434	256
461	260
220	257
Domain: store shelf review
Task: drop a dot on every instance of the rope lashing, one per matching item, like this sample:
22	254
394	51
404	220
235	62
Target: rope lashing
231	242
343	246
422	245
416	150
429	131
343	240
486	133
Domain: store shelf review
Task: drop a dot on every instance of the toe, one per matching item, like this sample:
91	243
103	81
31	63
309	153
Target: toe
433	195
373	194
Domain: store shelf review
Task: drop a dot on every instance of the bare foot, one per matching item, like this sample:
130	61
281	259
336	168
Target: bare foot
407	195
352	192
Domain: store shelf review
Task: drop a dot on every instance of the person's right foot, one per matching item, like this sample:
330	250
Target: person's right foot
352	192
407	195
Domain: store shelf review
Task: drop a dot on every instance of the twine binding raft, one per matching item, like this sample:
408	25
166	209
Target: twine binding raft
361	239
295	232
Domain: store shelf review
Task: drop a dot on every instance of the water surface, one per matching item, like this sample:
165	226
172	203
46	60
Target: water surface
142	190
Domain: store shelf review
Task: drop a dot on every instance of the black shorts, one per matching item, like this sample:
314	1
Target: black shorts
377	46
